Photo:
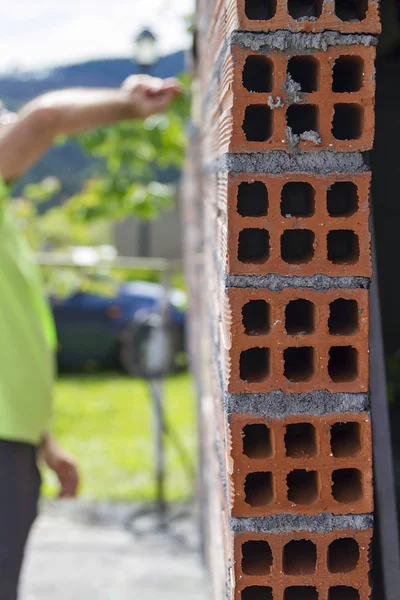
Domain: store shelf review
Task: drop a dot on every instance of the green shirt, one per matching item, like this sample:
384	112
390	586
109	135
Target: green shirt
27	337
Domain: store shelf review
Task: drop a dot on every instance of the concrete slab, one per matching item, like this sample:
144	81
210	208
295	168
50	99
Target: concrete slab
73	554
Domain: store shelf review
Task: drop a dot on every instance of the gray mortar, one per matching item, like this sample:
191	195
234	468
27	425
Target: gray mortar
292	89
286	523
280	41
293	139
279	405
274	103
277	283
277	162
311	136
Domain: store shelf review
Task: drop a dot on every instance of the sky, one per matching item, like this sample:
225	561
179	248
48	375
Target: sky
35	34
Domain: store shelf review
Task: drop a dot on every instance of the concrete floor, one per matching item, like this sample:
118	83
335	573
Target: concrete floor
77	552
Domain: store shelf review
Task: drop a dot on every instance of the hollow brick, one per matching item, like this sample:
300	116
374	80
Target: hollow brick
259	96
317	204
254	15
261	331
301	464
301	558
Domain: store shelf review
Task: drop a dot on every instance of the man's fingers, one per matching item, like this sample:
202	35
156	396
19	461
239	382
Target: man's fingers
161	102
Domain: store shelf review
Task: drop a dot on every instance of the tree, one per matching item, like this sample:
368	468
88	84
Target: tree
136	154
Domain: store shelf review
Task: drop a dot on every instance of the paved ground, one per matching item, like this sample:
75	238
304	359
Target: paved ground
81	551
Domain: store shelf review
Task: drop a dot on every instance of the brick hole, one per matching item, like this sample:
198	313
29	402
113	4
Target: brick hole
256	317
259	489
257	592
304	9
348	121
303	487
299	363
343	247
252	199
254	364
297	246
305	71
300	317
342	199
253	245
343	363
297	199
343	317
348	74
256	558
351	10
303	117
258	74
301	593
345	439
299	557
257	124
347	485
343	592
343	555
257	441
301	440
260	10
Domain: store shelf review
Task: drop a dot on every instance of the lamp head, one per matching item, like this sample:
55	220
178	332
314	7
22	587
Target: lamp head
146	48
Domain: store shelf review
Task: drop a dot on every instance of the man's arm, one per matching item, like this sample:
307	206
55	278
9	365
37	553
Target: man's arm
24	140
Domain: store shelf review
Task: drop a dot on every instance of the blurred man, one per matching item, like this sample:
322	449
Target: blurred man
27	335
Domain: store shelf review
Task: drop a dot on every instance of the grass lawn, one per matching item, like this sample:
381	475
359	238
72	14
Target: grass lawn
105	420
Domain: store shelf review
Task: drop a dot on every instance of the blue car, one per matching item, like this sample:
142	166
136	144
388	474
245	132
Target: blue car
90	327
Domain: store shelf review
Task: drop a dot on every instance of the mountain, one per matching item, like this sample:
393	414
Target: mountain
68	163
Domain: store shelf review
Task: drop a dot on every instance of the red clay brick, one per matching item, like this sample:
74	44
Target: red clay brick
243	15
284	340
314	207
341	558
336	100
320	591
301	464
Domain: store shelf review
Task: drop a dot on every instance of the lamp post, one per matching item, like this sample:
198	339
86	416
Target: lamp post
145	56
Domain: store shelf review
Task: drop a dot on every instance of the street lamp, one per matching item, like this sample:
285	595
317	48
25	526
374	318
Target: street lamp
145	55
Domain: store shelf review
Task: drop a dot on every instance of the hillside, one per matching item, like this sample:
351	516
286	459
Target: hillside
68	162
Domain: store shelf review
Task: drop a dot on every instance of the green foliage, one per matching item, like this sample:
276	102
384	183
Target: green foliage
135	154
105	420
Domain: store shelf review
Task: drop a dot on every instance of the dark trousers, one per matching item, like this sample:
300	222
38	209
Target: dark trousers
19	492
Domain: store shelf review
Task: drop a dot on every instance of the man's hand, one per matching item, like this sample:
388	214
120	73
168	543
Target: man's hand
149	95
62	464
26	137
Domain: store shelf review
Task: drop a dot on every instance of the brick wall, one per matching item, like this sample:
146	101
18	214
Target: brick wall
276	207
